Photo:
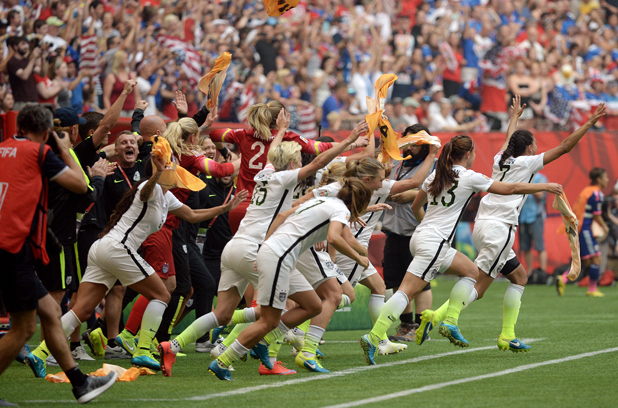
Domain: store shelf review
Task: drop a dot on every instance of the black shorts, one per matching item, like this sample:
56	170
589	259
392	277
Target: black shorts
85	238
62	272
181	263
397	258
20	286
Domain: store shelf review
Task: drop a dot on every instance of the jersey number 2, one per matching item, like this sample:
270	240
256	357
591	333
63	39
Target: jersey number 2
258	166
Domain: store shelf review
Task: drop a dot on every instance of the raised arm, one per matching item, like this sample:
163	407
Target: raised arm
516	112
325	158
341	245
283	123
368	151
113	113
203	214
569	143
72	179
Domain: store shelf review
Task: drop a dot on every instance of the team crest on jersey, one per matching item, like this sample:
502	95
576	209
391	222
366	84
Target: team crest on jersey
189	303
283	295
68	280
330	264
303	139
323	193
165	268
136	176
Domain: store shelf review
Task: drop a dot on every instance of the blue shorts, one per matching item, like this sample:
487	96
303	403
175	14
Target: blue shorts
588	246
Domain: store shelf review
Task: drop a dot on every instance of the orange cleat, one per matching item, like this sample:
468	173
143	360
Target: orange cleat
278	369
168	358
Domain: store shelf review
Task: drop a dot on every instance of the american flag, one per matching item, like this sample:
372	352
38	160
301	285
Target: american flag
246	99
191	61
88	52
559	109
307	126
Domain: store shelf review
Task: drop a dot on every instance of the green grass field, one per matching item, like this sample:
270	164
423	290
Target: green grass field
436	374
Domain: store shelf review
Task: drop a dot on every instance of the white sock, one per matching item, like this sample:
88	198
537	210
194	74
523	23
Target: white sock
150	323
376	302
473	296
513	293
249	313
70	322
345	301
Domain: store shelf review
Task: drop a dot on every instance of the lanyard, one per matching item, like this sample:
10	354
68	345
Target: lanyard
125	177
399	175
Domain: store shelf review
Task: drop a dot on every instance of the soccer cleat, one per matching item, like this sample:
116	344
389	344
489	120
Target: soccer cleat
387	347
293	352
146	360
560	286
216	332
405	332
5	403
368	348
422	333
116	353
319	354
51	361
207	346
295	341
515	345
93	387
37	365
310	363
98	341
596	293
168	358
23	353
218	350
278	369
222	373
86	339
452	333
79	354
261	350
127	341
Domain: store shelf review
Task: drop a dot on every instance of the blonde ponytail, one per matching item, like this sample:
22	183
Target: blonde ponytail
178	132
332	173
263	117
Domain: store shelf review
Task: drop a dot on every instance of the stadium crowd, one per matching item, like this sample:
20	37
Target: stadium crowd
458	62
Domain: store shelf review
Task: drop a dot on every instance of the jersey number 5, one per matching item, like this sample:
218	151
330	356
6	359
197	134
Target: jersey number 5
259	195
252	164
450	192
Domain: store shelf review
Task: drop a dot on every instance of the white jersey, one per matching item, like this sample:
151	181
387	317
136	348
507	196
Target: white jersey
143	218
445	211
363	234
307	226
273	193
318	174
514	170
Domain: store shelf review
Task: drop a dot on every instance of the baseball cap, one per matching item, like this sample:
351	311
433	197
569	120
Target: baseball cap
69	117
409	101
55	21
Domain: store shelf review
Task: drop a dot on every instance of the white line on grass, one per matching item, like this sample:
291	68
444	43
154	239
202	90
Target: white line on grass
470	379
335	374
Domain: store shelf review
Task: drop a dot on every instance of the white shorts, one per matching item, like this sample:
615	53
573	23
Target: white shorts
431	254
494	242
353	271
317	267
109	260
237	269
278	279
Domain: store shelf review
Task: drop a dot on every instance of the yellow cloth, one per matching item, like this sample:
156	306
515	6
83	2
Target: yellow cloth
124	375
419	138
275	8
210	84
174	175
561	203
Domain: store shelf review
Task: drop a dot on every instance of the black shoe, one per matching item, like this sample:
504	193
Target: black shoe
86	339
4	403
93	387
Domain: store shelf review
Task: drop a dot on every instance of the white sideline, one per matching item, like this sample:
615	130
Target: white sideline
469	379
341	373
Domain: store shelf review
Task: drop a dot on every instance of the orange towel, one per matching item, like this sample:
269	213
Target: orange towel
419	138
561	203
210	84
275	8
174	175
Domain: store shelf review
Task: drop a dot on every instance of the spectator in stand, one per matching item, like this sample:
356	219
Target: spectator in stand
52	37
396	117
114	84
522	83
14	19
337	102
21	72
58	74
531	227
410	105
443	121
597	91
7	102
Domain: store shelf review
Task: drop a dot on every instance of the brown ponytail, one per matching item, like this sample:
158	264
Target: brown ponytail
453	151
122	207
356	196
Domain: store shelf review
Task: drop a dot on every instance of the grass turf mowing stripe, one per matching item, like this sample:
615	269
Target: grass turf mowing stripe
470	379
335	374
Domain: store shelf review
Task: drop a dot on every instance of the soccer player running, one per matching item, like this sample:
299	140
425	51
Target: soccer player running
447	191
141	212
292	233
588	209
496	224
273	193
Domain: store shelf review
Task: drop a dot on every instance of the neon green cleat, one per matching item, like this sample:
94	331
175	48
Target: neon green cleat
127	341
98	341
560	286
515	345
427	323
310	363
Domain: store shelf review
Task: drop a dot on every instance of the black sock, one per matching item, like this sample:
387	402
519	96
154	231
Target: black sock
111	343
407	318
75	344
417	318
104	327
76	376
